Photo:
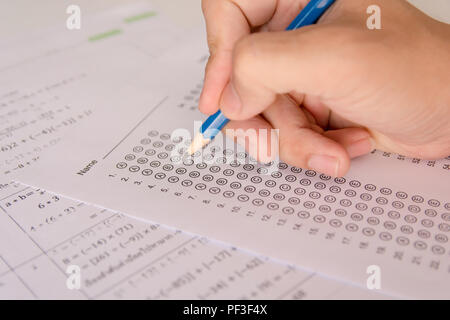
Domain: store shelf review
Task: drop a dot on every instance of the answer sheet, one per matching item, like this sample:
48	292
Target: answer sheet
43	235
390	212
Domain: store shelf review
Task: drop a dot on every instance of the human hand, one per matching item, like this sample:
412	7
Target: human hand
335	90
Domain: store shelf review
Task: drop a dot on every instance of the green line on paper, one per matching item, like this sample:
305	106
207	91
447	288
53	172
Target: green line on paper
141	16
104	35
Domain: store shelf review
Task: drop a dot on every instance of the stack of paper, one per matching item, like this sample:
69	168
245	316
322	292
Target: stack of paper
101	120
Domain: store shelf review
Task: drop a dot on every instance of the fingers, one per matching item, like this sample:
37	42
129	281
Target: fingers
301	145
320	112
256	135
217	73
227	21
299	141
356	141
266	64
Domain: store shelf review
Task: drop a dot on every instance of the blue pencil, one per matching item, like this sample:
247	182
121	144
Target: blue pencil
211	127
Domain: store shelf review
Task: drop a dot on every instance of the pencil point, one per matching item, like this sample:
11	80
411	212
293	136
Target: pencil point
198	143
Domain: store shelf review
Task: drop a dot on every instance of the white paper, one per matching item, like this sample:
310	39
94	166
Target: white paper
43	235
389	211
48	91
45	77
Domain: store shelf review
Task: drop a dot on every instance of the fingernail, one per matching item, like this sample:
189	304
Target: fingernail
324	164
360	147
230	102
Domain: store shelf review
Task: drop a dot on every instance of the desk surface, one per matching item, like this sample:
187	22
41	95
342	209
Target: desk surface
21	16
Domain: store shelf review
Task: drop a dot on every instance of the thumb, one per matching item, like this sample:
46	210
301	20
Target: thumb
313	60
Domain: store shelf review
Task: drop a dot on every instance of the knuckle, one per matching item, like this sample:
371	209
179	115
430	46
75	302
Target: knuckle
208	65
213	44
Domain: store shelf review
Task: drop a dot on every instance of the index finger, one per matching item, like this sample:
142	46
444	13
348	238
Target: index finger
227	21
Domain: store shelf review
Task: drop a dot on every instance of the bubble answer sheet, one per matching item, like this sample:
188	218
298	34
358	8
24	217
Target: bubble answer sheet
50	84
390	213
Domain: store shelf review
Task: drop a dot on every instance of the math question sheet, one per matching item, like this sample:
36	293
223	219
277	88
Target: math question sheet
389	212
44	235
37	104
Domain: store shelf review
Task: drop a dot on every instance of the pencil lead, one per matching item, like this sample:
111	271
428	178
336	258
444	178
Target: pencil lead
198	143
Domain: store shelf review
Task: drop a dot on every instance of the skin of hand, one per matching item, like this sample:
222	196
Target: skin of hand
335	90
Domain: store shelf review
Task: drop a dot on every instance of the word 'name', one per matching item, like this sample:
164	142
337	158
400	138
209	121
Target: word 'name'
87	168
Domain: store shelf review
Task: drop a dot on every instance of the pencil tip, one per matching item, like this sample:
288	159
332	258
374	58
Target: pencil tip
198	143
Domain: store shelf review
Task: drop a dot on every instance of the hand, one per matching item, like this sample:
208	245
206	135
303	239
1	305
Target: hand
335	90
